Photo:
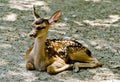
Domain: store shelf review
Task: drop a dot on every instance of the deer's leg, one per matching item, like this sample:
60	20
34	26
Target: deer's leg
29	59
29	63
57	67
87	61
91	64
29	66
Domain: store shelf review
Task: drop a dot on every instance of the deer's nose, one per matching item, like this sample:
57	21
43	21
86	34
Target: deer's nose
32	35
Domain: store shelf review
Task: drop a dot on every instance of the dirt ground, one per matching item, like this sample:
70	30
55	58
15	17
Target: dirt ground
94	23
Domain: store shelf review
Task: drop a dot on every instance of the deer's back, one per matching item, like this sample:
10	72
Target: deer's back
63	48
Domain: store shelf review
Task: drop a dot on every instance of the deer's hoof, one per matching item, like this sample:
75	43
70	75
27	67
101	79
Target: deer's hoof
75	70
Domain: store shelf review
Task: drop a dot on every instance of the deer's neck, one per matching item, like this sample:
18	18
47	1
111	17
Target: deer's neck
39	46
39	53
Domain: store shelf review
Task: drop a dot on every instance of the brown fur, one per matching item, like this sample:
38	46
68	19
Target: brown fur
55	55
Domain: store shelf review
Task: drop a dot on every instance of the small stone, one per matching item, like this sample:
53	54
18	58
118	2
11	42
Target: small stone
74	16
66	19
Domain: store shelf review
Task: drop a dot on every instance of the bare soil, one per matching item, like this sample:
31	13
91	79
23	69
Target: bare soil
94	23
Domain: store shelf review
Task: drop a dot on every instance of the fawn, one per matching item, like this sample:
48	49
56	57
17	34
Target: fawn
55	55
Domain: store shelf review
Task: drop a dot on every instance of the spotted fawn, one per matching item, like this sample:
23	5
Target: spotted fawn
55	55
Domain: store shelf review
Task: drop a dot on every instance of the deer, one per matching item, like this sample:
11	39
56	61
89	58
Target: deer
55	55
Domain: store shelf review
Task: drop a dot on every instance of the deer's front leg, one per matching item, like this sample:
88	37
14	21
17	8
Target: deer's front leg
29	63
29	58
58	67
29	66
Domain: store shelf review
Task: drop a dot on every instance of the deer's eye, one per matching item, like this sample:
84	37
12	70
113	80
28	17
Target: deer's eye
38	28
43	27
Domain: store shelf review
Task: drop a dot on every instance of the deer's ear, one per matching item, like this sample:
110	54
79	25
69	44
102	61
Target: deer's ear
35	13
55	17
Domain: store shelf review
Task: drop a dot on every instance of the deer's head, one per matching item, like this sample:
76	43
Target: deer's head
40	25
